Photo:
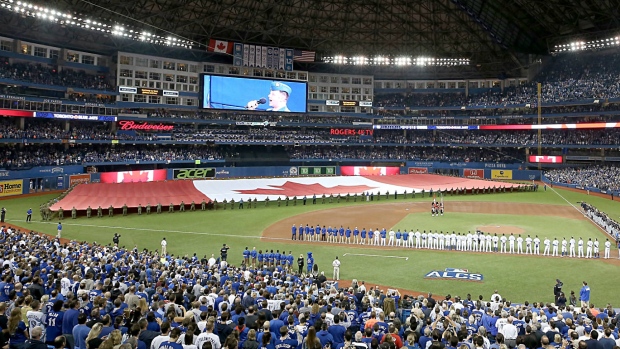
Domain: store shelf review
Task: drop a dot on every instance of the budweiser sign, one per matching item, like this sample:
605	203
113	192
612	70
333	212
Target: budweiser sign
127	125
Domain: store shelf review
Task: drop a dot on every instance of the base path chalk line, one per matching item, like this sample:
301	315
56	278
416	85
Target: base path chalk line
373	255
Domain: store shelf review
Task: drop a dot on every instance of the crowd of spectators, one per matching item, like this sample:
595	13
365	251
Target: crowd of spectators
407	154
567	78
16	158
52	76
94	296
603	177
610	225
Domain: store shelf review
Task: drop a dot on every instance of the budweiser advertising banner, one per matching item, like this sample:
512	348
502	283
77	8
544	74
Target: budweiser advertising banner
128	125
133	176
368	171
473	173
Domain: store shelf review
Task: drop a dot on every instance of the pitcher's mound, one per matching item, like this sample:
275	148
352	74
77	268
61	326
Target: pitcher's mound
501	229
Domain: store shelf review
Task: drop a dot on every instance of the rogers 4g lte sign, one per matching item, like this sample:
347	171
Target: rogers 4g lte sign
193	173
454	274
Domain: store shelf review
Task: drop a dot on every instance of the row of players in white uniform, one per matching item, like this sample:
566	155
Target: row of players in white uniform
479	242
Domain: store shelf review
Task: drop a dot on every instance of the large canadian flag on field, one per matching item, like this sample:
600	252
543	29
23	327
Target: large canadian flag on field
220	46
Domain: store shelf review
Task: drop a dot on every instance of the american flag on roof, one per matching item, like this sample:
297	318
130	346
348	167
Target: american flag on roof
303	56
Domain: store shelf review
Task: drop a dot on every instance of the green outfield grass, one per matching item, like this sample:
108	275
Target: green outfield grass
543	226
519	278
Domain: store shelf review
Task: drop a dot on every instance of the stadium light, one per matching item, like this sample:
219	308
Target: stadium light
49	14
396	61
587	45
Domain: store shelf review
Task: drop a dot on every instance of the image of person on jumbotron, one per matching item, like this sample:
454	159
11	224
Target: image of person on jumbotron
267	95
278	98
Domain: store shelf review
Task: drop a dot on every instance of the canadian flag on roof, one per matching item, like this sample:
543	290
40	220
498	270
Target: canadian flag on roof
220	46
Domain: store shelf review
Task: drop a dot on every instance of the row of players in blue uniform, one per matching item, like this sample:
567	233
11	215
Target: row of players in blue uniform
276	259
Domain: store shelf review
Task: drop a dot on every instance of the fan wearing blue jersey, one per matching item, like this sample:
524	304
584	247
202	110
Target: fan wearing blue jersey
253	255
246	257
294	232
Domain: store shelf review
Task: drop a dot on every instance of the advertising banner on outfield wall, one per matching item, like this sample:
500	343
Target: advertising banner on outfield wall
81	178
10	188
474	173
418	170
133	176
501	174
193	173
369	171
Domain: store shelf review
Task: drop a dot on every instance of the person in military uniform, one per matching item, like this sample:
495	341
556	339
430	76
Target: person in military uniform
279	201
225	202
338	199
294	200
192	207
355	197
215	205
42	210
232	204
111	211
148	208
124	209
61	213
89	212
203	205
99	212
348	197
287	200
73	213
323	199
171	208
158	207
139	209
182	206
267	202
255	202
278	98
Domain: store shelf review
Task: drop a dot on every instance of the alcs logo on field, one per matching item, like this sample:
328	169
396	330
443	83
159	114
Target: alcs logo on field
454	274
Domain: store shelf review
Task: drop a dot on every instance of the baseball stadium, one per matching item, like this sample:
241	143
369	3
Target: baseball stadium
309	174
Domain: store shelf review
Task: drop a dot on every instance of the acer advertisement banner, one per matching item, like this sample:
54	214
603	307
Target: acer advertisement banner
473	173
81	178
418	170
133	176
193	173
369	171
546	159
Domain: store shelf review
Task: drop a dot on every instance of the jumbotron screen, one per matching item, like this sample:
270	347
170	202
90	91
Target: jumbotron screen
238	93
